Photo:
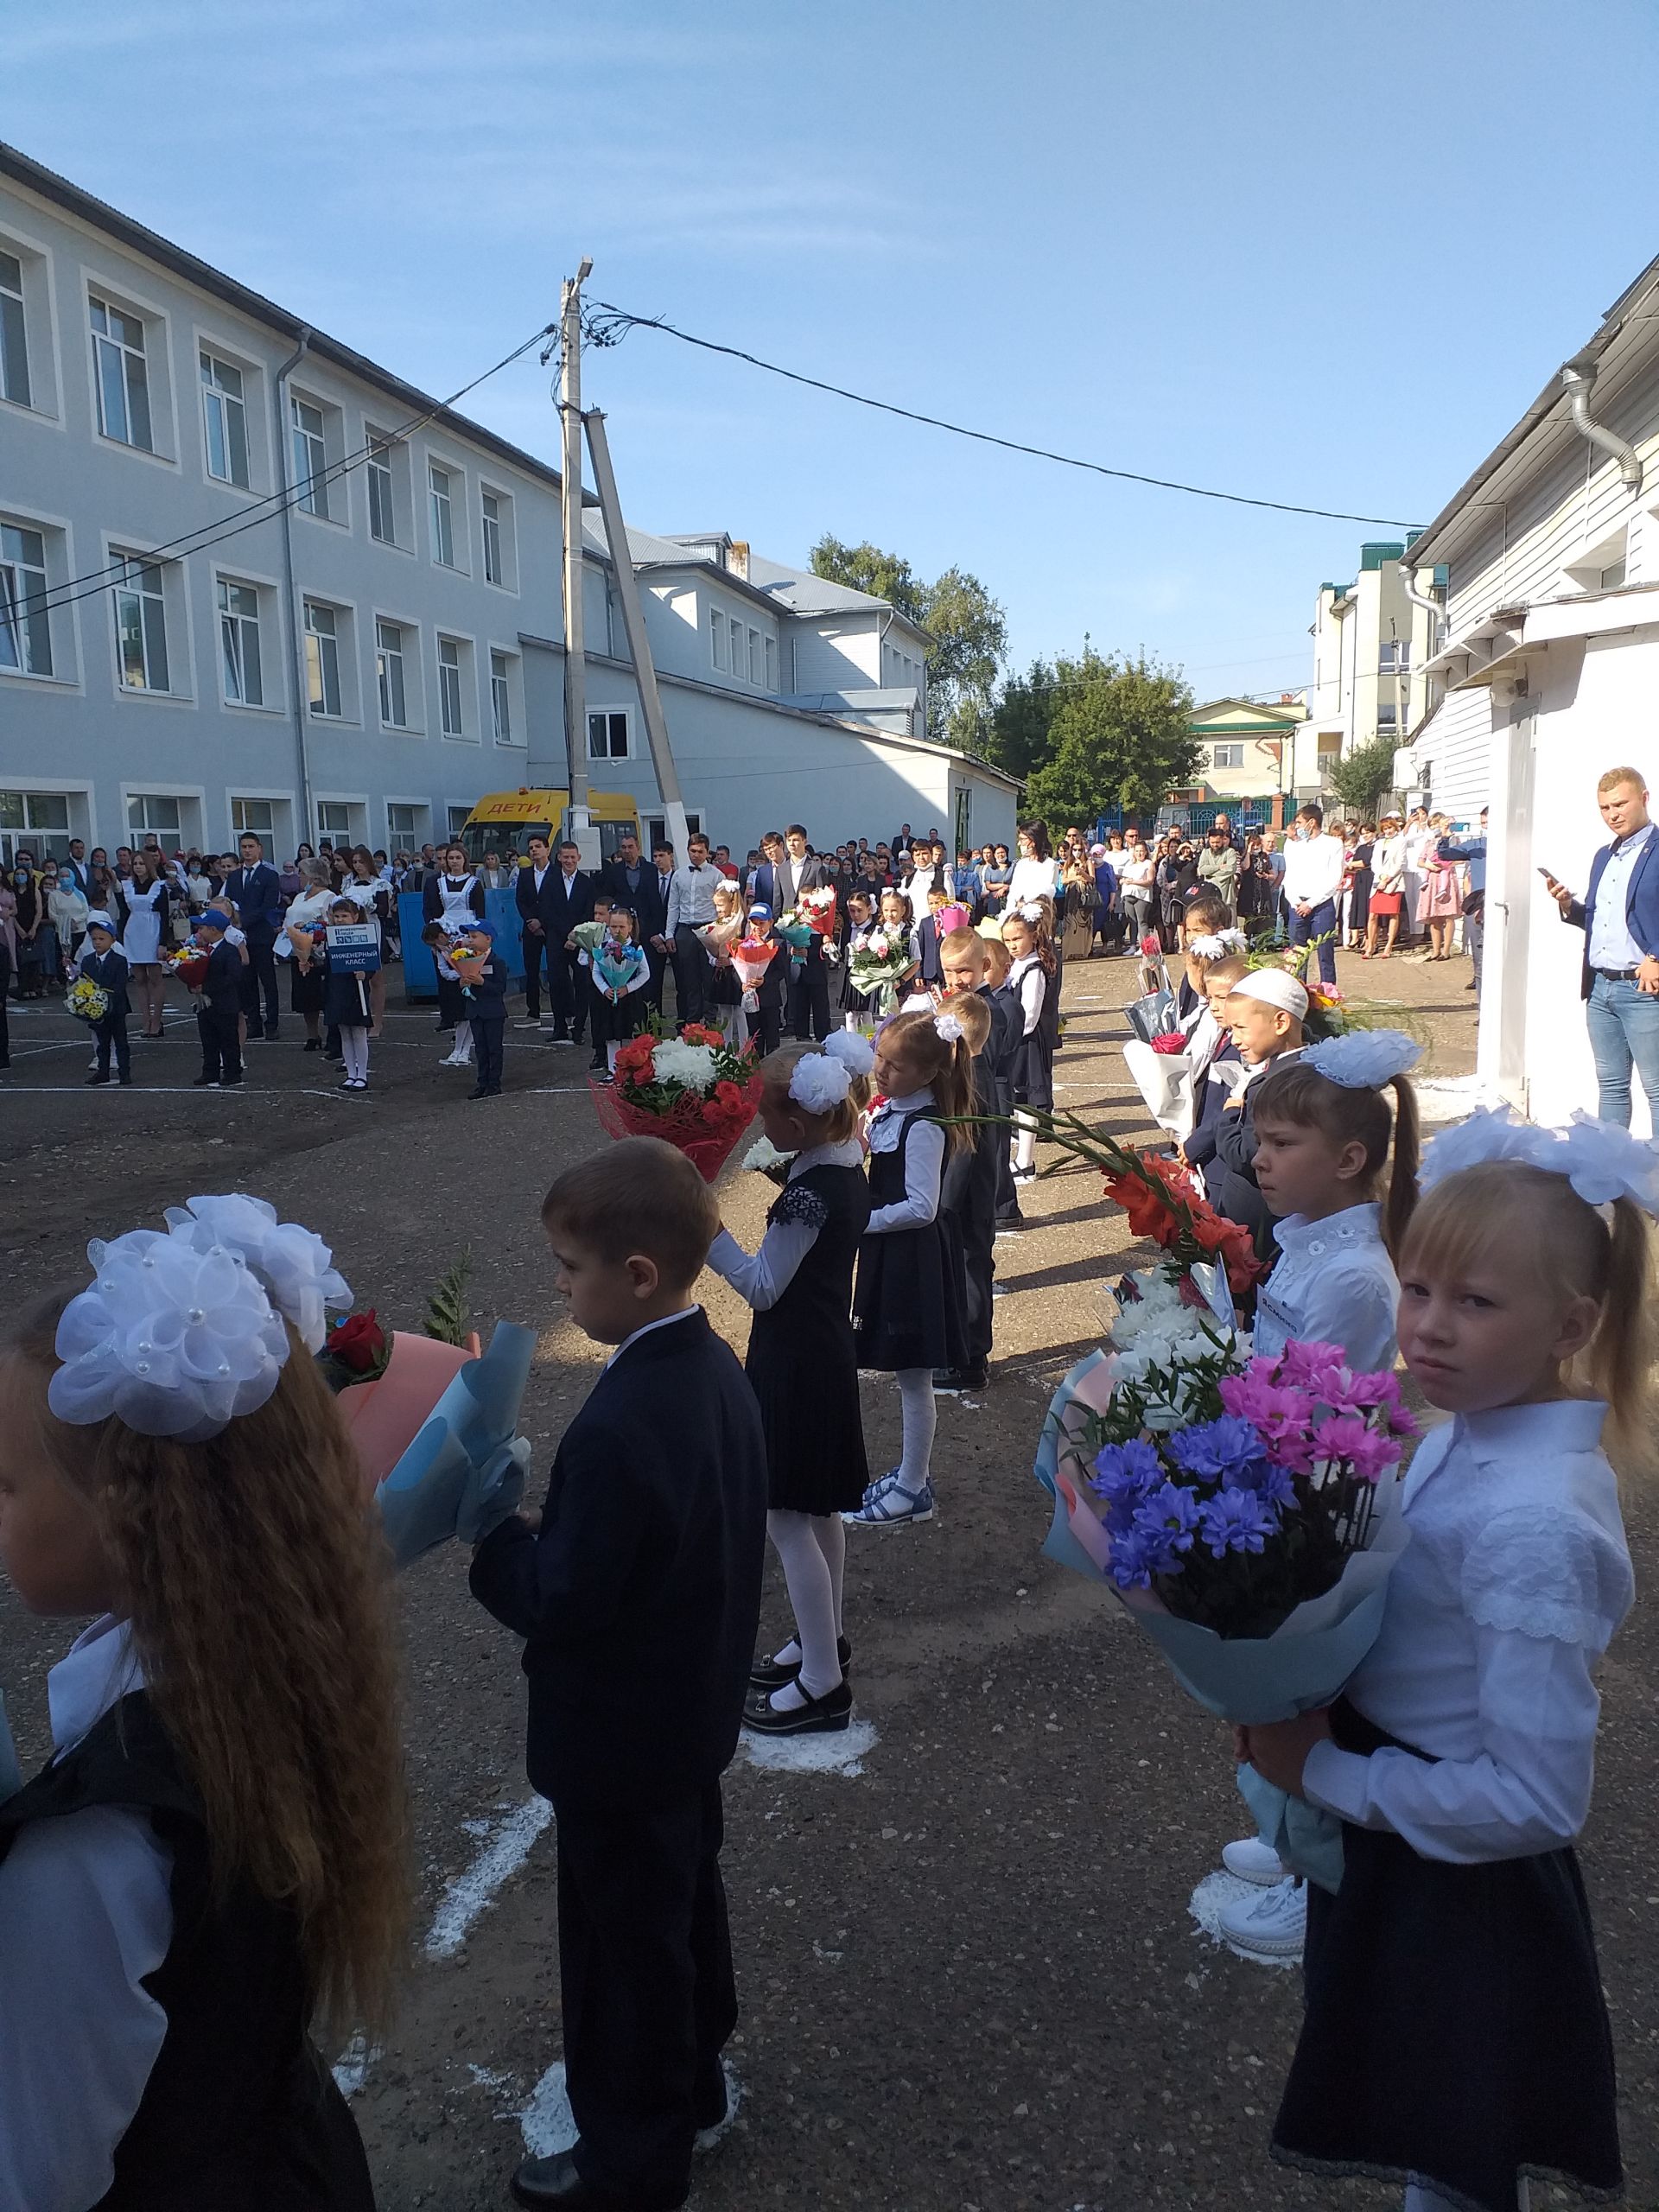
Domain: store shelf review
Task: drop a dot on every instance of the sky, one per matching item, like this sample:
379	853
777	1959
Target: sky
1313	254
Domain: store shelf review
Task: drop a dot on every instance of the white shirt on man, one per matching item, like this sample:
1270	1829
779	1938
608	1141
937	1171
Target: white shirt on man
1312	870
692	896
1612	945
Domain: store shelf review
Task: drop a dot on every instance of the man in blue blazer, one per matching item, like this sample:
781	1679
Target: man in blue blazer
1619	916
778	882
259	908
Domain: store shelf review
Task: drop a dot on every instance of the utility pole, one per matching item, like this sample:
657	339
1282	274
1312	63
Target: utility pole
576	671
634	622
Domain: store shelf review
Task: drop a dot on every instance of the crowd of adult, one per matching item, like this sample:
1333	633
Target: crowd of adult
1396	885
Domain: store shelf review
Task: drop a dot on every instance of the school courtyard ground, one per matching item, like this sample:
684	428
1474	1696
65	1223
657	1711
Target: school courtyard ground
972	1974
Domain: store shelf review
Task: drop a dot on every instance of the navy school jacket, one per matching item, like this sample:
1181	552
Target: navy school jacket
639	1600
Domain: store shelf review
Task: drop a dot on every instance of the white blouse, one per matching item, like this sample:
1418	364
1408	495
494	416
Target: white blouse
85	1915
1514	1582
762	1279
924	1163
1032	879
1334	1284
1030	986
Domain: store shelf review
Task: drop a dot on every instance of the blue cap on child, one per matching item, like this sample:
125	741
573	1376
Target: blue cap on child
759	912
479	929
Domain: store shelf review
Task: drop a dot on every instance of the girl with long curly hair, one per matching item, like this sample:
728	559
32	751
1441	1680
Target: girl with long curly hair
214	1857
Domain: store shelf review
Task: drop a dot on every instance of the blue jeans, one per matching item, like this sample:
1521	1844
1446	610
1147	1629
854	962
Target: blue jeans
1623	1024
1320	923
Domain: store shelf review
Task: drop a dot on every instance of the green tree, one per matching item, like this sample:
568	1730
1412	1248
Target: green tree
968	630
1360	778
1118	738
1020	719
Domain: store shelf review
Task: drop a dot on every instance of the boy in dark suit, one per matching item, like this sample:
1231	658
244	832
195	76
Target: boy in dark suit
485	977
1005	1010
105	965
639	1596
219	1014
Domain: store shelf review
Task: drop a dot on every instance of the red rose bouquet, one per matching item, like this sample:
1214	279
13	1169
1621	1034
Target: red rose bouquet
697	1091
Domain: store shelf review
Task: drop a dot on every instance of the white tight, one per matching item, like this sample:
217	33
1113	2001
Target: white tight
1025	1147
463	1044
919	1415
354	1051
813	1549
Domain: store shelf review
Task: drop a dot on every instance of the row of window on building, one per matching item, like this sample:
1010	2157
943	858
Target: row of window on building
737	650
42	823
148	606
123	342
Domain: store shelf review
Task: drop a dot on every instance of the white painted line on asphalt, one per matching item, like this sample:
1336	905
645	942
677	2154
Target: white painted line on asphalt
842	1752
468	1894
352	2068
549	2125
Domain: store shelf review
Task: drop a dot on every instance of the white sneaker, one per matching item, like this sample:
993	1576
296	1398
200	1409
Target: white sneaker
1273	1925
454	1060
1252	1860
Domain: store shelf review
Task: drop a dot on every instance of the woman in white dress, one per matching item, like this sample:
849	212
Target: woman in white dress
145	897
1036	873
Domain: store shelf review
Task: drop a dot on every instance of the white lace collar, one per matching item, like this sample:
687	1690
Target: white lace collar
848	1153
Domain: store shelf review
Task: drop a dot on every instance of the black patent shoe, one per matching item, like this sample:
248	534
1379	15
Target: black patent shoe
819	1716
769	1674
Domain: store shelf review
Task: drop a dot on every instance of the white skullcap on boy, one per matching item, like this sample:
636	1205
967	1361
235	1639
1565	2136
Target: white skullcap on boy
1274	987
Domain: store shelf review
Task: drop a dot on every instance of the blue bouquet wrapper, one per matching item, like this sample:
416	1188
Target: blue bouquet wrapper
1303	1666
796	935
11	1775
465	1470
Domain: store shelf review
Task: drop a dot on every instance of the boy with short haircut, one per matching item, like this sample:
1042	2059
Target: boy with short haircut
102	961
639	1596
218	1013
1265	1011
969	1189
1005	1008
484	974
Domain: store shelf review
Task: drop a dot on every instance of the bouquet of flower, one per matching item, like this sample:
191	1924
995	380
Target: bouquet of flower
876	968
1253	1542
697	1091
618	964
587	936
952	917
764	1157
796	925
188	963
817	910
752	957
87	1001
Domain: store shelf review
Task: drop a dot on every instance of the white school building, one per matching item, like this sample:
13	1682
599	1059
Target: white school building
1545	674
251	580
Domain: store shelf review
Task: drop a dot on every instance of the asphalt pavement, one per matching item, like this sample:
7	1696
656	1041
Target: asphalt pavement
970	1974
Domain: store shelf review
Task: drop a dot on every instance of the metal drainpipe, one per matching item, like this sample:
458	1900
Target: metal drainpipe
1437	629
296	640
1579	380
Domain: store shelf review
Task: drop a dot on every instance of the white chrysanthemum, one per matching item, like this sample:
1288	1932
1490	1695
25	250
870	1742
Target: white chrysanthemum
173	1340
1363	1059
763	1155
295	1266
819	1083
693	1066
856	1053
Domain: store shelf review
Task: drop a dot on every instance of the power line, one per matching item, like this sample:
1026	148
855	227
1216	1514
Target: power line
74	588
608	326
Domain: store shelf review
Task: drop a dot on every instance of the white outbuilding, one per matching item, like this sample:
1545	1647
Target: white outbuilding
1546	675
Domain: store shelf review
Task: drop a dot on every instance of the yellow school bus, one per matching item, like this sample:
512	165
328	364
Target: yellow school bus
501	818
